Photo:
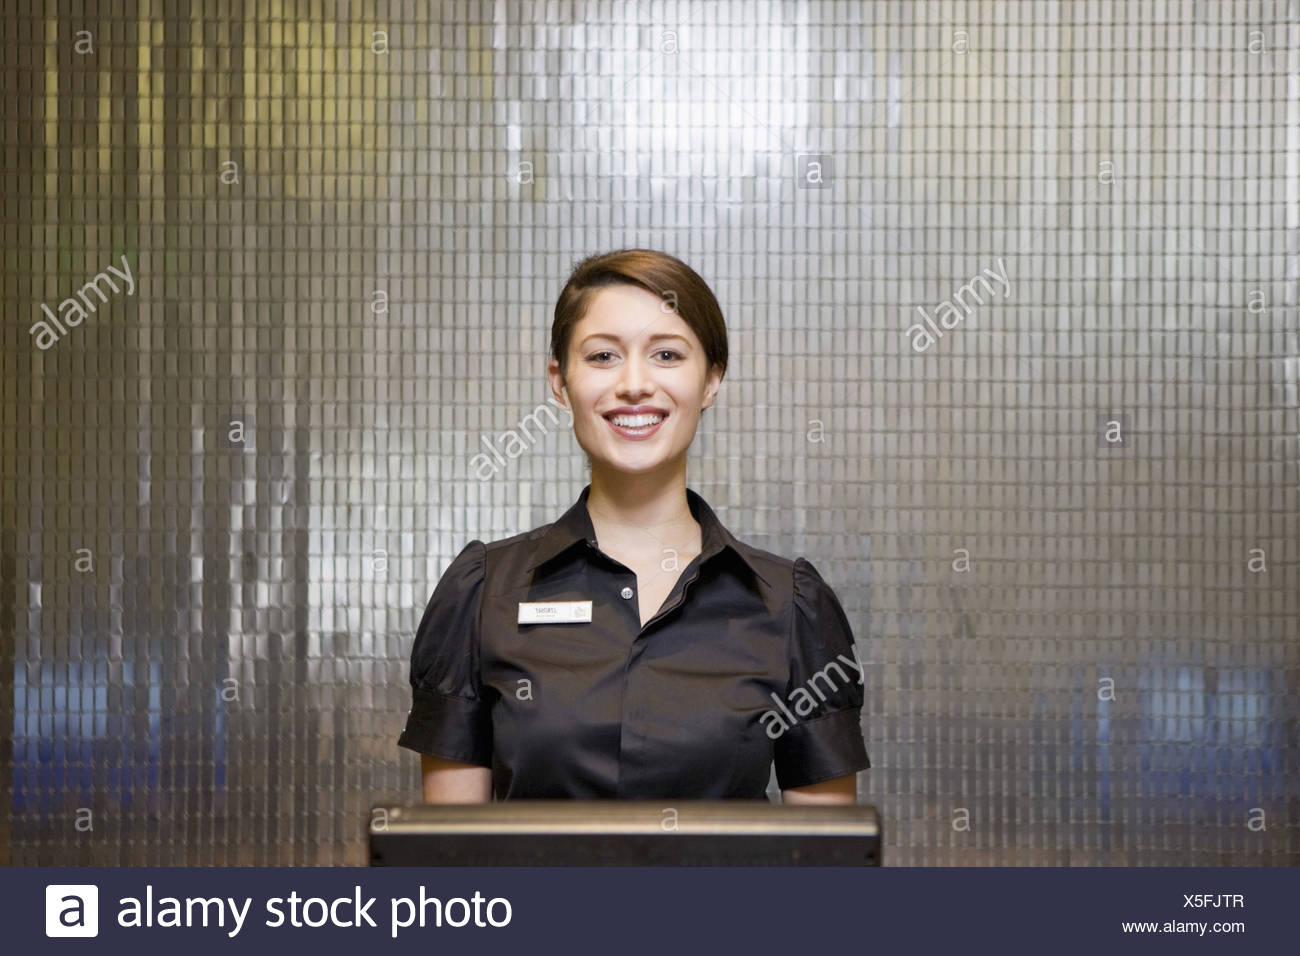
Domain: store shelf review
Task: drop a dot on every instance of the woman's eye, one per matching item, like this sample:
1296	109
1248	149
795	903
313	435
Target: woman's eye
604	356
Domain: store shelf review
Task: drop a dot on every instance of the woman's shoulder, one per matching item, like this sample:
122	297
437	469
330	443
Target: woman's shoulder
497	546
771	565
502	558
524	541
786	576
797	574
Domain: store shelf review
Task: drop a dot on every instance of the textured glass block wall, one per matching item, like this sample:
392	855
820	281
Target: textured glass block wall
1012	292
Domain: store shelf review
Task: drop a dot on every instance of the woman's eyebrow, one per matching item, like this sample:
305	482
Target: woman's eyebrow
657	337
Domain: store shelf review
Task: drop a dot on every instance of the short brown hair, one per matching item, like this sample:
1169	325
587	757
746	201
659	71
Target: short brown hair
657	272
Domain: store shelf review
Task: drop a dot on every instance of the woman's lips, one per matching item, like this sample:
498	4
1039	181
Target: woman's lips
636	434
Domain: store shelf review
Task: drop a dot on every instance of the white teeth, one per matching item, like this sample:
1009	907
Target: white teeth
637	421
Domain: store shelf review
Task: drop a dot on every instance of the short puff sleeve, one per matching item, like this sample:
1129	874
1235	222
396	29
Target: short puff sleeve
450	716
824	693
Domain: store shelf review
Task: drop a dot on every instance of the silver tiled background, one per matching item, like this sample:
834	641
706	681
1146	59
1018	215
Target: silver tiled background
208	638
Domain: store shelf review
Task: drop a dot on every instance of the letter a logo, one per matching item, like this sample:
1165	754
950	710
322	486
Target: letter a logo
71	909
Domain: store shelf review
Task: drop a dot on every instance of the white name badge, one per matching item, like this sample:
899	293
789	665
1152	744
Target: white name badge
561	612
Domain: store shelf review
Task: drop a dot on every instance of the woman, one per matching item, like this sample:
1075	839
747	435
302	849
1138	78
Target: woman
634	649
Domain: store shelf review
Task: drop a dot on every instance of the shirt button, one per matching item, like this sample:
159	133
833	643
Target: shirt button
626	592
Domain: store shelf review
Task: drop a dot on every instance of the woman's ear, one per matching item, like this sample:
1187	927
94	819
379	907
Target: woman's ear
711	386
557	379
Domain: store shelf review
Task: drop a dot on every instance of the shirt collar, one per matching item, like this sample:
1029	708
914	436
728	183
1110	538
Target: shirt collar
575	526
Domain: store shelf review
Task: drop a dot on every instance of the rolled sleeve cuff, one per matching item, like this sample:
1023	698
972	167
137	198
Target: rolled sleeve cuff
450	727
821	749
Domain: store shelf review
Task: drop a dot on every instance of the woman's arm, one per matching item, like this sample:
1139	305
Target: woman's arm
836	790
448	781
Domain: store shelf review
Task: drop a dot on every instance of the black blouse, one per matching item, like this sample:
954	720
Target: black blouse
750	660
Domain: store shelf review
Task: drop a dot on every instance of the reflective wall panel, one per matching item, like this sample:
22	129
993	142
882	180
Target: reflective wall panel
1012	298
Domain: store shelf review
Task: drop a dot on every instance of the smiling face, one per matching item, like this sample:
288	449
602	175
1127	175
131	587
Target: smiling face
637	382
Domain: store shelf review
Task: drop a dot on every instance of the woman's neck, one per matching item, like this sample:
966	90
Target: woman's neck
642	514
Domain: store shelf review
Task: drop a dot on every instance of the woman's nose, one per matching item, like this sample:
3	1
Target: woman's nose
635	378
